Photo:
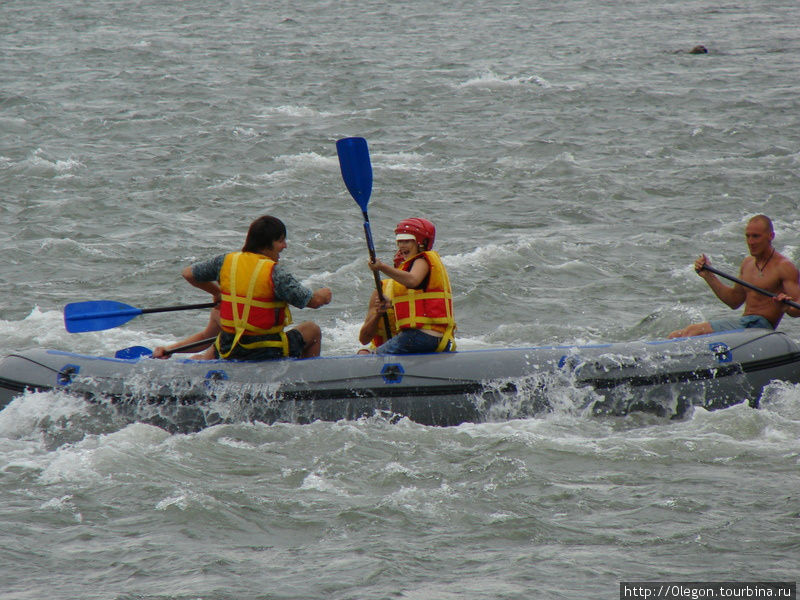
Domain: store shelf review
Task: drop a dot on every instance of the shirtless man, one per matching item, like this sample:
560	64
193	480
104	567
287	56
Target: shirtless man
764	268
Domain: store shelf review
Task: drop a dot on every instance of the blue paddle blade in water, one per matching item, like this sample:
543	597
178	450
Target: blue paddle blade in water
356	168
133	352
95	315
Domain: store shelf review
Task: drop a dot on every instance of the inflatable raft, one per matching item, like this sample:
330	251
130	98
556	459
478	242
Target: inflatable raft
665	377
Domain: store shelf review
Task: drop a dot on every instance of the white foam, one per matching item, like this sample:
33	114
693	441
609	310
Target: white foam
315	481
309	160
488	253
185	500
293	110
23	416
489	79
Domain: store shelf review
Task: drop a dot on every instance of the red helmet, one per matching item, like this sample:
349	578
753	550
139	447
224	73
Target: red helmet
422	230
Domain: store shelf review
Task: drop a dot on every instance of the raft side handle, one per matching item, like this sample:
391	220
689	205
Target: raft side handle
721	352
571	363
392	373
65	374
217	375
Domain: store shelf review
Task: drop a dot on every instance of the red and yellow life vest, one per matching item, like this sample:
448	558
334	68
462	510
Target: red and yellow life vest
248	304
429	308
380	336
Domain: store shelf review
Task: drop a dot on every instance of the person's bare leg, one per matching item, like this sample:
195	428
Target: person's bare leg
692	330
312	338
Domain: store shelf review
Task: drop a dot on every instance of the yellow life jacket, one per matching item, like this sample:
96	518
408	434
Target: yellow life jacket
380	336
248	304
429	308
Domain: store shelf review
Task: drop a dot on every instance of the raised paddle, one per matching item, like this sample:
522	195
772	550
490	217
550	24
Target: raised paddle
357	175
748	285
95	315
141	351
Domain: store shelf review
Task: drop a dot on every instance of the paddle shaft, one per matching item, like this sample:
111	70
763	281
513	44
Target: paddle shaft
190	346
145	311
378	285
135	352
748	285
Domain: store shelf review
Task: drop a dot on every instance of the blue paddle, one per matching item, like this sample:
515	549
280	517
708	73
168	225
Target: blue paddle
357	175
141	351
95	315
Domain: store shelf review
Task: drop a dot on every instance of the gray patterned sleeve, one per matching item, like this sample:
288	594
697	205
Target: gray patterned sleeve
208	270
289	289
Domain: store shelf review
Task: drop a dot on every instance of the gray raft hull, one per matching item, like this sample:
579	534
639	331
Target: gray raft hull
664	377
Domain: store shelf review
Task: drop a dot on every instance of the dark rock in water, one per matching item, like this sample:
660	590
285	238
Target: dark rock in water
699	49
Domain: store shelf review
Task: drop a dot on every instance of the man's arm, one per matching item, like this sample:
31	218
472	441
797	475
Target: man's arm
790	285
212	287
295	293
320	297
732	296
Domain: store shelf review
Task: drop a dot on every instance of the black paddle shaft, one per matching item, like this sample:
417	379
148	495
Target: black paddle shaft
748	285
184	307
378	285
190	346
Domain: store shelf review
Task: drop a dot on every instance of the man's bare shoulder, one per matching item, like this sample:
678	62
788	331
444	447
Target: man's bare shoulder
786	267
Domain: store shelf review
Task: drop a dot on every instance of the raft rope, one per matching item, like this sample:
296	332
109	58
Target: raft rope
36	362
769	333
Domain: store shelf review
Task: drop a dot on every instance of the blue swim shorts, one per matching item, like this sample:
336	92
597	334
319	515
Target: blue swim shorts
746	322
410	341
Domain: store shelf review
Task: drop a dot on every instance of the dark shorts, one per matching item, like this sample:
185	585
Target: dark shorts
296	345
747	322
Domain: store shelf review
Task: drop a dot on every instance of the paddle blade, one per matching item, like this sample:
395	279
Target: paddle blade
133	352
356	168
95	315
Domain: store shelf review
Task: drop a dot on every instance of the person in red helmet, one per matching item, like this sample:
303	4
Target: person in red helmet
421	296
